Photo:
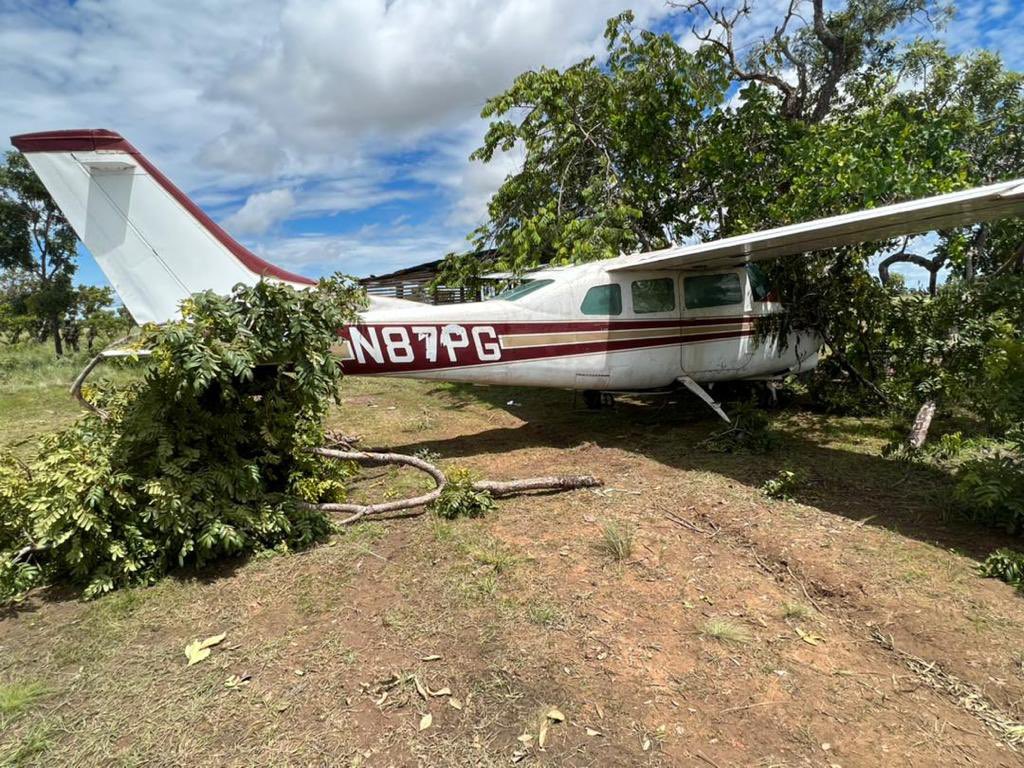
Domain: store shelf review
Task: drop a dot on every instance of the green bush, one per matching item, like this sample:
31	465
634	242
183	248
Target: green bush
1006	565
784	485
205	456
460	499
948	447
990	489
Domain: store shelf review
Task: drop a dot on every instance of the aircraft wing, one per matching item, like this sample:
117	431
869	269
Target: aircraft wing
911	218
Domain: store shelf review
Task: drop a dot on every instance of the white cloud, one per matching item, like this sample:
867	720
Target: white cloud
468	185
340	72
261	211
296	107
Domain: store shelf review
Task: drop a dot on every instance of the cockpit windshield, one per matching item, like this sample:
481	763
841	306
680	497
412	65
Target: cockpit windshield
523	289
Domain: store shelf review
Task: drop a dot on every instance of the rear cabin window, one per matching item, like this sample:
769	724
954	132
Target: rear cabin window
523	289
603	300
658	295
712	290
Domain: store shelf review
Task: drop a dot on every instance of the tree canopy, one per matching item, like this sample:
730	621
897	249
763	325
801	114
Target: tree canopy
833	111
38	247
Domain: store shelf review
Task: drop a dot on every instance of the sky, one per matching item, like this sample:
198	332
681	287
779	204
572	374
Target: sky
327	135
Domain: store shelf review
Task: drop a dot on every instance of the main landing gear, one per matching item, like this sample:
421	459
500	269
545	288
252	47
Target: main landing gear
596	400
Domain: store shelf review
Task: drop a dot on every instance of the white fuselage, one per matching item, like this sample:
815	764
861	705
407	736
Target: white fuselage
643	333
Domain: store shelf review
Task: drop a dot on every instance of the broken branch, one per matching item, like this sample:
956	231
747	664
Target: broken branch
551	483
498	488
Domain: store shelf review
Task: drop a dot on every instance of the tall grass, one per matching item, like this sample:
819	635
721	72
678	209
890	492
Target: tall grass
33	365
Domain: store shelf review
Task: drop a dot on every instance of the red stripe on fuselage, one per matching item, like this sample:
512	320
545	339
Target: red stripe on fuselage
469	355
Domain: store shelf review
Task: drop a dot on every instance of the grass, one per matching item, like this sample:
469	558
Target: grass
32	744
17	698
34	383
795	611
546	614
28	365
725	631
616	541
491	554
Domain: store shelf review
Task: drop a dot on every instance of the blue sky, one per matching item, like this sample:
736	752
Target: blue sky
325	134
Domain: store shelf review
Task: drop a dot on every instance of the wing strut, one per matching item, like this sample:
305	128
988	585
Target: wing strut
702	393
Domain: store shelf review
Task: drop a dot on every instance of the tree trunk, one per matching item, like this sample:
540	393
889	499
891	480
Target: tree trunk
58	345
922	423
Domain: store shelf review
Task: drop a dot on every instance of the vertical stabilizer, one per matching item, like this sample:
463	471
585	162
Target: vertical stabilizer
154	244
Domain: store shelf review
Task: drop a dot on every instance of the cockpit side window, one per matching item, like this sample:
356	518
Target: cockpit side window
759	287
701	291
603	300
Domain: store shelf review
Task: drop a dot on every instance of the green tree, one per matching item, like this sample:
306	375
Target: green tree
92	315
16	319
36	239
605	169
830	112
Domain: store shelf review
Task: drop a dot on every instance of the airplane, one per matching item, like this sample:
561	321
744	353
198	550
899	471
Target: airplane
683	315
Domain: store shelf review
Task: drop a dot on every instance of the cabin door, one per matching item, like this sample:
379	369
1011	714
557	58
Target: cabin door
716	319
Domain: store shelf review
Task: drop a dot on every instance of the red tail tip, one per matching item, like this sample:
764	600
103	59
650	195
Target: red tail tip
74	140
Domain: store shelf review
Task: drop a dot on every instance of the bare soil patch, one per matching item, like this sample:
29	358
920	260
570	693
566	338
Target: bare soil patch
735	630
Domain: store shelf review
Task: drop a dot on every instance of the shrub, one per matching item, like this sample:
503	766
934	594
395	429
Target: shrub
950	446
460	499
205	456
784	485
990	489
1004	564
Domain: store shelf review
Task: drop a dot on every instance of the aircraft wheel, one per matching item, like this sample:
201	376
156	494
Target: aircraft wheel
592	399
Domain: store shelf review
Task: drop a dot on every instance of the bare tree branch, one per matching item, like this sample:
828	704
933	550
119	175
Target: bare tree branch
356	512
725	24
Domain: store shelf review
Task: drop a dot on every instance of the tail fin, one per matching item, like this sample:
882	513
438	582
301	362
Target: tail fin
155	245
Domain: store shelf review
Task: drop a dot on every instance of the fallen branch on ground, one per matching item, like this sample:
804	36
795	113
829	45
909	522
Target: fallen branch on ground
501	488
970	698
498	488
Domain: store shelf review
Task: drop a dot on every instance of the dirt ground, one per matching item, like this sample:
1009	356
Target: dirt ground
846	628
